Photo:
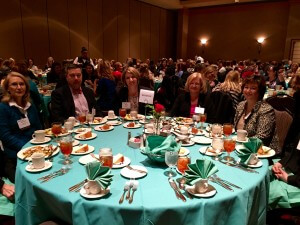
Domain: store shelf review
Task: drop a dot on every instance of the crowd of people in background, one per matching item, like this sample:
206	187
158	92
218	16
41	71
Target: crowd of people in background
85	83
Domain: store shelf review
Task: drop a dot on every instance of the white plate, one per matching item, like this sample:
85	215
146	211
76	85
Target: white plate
258	164
21	155
113	118
188	121
131	174
50	134
235	138
76	124
101	194
81	130
114	123
91	149
186	144
139	117
98	128
78	137
74	143
104	120
203	150
202	140
34	141
270	153
125	163
29	167
135	126
87	158
200	132
208	194
186	151
208	135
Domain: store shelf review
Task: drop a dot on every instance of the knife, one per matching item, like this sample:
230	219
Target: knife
179	195
221	183
239	167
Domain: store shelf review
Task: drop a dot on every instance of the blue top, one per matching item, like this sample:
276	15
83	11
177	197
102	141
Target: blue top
106	90
12	137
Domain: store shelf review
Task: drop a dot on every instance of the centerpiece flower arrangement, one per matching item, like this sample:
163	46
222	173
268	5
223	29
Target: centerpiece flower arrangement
157	111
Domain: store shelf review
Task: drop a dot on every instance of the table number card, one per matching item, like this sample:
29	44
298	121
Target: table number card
146	96
199	110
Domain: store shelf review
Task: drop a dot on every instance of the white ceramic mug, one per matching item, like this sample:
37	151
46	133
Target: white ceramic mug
39	135
216	130
133	114
69	125
37	160
201	186
241	135
184	130
72	119
253	159
111	114
92	187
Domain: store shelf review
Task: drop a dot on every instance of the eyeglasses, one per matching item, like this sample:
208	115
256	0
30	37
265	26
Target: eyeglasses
15	84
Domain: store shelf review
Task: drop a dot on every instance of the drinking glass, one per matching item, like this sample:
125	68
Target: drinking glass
122	113
89	118
182	166
227	129
66	148
218	145
202	120
82	118
56	129
171	160
106	157
229	146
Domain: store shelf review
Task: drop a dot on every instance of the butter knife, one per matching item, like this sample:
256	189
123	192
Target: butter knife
240	167
176	189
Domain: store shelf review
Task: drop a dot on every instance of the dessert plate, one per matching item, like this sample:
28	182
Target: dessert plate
132	174
34	141
114	123
79	137
202	140
87	158
183	151
100	128
91	149
207	152
121	165
136	125
101	194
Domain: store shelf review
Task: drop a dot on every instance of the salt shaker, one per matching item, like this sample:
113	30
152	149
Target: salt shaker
129	136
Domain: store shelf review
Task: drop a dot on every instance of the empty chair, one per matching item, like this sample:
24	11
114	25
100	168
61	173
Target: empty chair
282	103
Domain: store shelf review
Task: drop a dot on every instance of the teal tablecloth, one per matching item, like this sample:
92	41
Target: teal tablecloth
154	201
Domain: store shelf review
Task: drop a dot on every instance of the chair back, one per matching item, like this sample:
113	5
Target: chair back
282	103
283	123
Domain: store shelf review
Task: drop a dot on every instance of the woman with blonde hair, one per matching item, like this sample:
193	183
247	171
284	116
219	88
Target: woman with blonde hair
18	120
232	86
210	76
194	96
106	87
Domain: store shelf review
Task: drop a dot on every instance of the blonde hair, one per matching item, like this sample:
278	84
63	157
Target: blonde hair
193	76
7	96
104	70
232	82
208	70
135	73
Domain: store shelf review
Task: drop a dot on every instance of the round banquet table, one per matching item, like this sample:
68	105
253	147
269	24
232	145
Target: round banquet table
154	201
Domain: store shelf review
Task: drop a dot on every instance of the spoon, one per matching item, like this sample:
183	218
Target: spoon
181	183
128	193
126	188
134	188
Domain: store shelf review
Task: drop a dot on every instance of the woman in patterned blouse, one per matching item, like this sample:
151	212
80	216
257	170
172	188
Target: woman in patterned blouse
255	115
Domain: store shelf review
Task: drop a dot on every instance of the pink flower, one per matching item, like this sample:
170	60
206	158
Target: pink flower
159	108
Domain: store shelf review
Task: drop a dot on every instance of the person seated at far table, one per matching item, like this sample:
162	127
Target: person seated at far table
194	96
71	99
18	120
256	116
275	77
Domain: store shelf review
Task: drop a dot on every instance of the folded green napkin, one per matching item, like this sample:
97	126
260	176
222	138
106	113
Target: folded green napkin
249	148
101	174
202	169
159	145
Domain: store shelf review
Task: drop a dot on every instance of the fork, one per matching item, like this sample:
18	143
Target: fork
137	170
76	187
49	175
62	172
226	182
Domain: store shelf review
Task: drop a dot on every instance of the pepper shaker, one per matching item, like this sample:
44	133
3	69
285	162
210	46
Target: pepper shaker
129	136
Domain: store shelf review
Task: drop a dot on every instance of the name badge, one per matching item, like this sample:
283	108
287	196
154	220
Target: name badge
23	123
126	105
298	146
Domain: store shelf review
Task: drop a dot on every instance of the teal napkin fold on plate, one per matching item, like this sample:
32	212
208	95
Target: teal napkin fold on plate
101	174
249	148
159	145
202	169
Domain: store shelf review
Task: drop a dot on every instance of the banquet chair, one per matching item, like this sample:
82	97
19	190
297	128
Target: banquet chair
282	103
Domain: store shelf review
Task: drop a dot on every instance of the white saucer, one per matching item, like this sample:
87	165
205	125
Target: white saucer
30	169
135	126
131	174
186	152
87	158
101	194
208	194
202	140
113	118
78	137
91	149
258	164
203	151
98	128
33	141
125	163
114	123
186	144
235	138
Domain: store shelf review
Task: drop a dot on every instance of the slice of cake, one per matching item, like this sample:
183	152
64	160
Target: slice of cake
82	149
118	159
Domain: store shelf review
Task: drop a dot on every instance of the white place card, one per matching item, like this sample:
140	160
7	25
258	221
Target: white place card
126	105
146	96
199	110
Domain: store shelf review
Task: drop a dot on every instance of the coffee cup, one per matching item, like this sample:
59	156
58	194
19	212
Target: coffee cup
111	114
241	135
201	186
253	159
72	119
92	187
278	87
184	130
216	130
133	114
38	160
39	135
149	128
69	125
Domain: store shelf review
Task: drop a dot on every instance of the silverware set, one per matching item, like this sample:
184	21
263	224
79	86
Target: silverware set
177	192
224	183
137	170
53	175
133	184
77	187
239	166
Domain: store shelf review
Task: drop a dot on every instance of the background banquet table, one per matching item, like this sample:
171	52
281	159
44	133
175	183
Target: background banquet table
154	201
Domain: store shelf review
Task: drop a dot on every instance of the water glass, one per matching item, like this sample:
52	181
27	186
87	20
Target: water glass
218	145
171	158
